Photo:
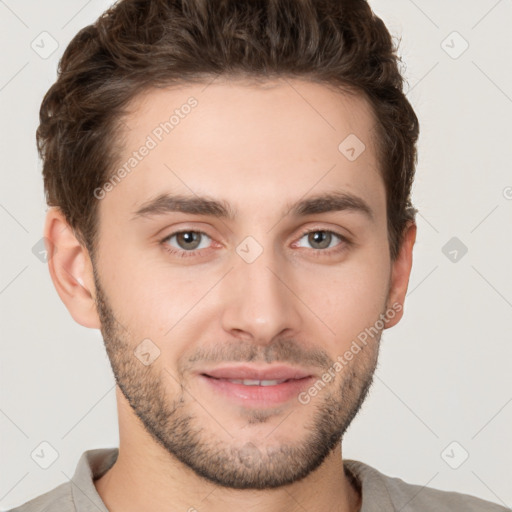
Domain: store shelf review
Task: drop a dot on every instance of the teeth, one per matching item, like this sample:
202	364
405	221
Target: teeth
251	382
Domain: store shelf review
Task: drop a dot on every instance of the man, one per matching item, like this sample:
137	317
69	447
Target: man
229	186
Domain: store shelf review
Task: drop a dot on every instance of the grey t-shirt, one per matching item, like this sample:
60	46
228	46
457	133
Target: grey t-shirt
380	493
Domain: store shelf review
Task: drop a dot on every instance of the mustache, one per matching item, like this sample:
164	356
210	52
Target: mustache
283	351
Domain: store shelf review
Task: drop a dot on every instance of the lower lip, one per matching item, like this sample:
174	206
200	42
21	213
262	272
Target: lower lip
258	395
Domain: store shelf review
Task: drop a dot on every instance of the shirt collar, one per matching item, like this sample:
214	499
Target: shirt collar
374	493
94	463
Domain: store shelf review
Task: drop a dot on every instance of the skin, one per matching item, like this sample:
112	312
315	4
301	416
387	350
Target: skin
183	445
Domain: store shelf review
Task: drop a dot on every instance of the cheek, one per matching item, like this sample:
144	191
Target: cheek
146	293
159	303
347	298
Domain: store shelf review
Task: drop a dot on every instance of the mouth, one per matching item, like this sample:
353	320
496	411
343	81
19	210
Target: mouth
256	386
254	382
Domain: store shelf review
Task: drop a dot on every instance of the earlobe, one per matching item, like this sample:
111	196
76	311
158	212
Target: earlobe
400	273
70	269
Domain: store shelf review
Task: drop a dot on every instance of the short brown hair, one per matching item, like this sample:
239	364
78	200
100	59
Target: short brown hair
139	44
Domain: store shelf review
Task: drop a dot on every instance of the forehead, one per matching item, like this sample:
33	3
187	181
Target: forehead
249	144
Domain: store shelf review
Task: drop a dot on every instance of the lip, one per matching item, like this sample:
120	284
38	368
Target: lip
274	372
217	380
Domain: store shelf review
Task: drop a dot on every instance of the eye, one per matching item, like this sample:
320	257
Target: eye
321	240
189	242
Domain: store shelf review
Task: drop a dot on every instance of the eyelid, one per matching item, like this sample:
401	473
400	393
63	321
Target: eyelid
345	241
185	230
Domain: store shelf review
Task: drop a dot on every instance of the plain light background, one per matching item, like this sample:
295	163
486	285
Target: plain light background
443	387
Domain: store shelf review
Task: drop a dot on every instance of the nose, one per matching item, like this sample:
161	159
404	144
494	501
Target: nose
260	303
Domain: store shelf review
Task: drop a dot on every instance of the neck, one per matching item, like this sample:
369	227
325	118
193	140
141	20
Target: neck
146	477
151	480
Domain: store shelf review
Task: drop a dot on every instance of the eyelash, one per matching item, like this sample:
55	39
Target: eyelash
346	243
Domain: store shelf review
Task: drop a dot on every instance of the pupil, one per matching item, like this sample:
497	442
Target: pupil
189	237
319	237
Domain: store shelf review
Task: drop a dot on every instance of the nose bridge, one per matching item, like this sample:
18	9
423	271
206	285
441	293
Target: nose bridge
261	304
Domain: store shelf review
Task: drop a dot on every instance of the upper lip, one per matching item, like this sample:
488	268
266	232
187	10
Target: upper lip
274	372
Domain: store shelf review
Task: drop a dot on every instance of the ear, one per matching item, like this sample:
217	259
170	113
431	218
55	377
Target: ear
400	272
70	269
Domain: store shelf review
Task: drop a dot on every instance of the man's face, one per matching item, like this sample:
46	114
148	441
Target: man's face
194	322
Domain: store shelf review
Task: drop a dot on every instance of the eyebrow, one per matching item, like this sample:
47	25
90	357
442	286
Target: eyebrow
196	205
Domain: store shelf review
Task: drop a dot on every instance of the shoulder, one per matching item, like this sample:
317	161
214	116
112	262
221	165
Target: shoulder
408	497
80	492
58	499
418	497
